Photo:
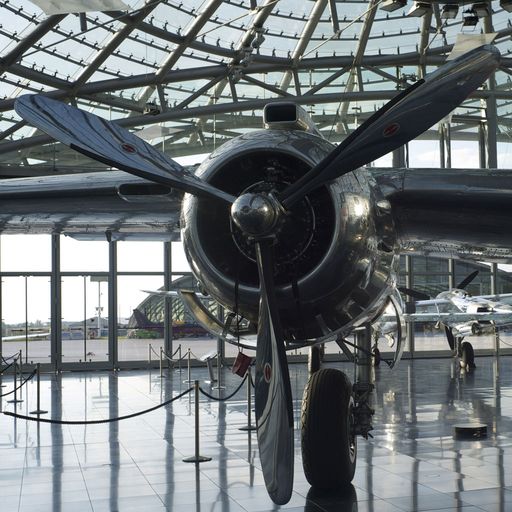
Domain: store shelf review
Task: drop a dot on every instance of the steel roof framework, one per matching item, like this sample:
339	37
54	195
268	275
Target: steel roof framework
204	70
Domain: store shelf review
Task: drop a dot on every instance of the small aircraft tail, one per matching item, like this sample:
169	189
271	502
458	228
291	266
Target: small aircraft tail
143	322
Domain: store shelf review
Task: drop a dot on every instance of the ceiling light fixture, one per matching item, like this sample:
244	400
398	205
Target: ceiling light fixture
450	11
481	9
393	5
506	5
419	9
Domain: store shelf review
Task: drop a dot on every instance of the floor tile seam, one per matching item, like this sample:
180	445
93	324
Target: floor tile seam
144	476
25	460
83	477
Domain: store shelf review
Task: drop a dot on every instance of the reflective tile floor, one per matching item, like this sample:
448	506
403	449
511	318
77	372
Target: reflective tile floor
412	463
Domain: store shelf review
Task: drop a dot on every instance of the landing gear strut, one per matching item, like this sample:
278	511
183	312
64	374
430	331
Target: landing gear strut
467	356
334	413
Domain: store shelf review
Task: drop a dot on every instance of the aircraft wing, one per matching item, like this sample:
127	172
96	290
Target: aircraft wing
452	317
19	337
459	213
90	206
504	298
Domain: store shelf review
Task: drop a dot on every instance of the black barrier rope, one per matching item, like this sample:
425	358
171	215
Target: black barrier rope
96	422
7	367
223	399
14	356
21	385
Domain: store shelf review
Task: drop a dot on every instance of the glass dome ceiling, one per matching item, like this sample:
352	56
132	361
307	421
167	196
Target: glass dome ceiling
187	75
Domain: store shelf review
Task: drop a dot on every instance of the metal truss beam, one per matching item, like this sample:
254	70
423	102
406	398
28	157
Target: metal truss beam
130	24
223	108
30	40
305	37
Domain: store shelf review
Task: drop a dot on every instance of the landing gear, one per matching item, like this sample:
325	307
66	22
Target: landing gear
329	445
334	413
467	356
315	357
375	357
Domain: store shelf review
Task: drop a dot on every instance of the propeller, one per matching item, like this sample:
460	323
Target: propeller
273	396
256	215
415	294
405	117
467	280
111	144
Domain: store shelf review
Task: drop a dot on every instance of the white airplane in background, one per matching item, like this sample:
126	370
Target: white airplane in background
460	313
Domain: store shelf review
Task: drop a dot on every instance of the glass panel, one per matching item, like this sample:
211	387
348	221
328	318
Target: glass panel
429	336
140	256
481	284
179	260
431	285
465	154
135	330
80	256
26	317
84	309
425	264
504	279
423	153
26	253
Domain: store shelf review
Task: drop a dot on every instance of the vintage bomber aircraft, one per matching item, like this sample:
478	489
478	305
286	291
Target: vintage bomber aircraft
289	231
458	312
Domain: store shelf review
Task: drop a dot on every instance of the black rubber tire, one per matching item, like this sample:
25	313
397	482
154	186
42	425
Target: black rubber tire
467	355
329	450
376	357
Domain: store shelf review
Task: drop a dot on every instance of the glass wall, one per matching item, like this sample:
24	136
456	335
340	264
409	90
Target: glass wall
86	276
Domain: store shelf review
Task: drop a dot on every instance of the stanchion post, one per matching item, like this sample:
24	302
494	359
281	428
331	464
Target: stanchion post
15	399
179	360
149	355
189	379
219	385
38	411
249	425
196	458
161	367
21	372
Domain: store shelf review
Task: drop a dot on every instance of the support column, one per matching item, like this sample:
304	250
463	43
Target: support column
112	304
1	306
399	160
491	110
56	306
220	342
409	284
168	301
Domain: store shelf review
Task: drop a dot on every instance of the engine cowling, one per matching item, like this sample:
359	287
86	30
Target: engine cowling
335	257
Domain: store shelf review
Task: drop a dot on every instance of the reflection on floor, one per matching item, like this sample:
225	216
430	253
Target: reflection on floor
412	463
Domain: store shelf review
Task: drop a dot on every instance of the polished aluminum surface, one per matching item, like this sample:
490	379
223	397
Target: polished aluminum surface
109	143
272	391
352	277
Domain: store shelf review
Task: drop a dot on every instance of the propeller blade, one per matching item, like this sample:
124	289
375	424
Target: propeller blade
415	294
467	280
111	144
450	337
404	118
273	397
